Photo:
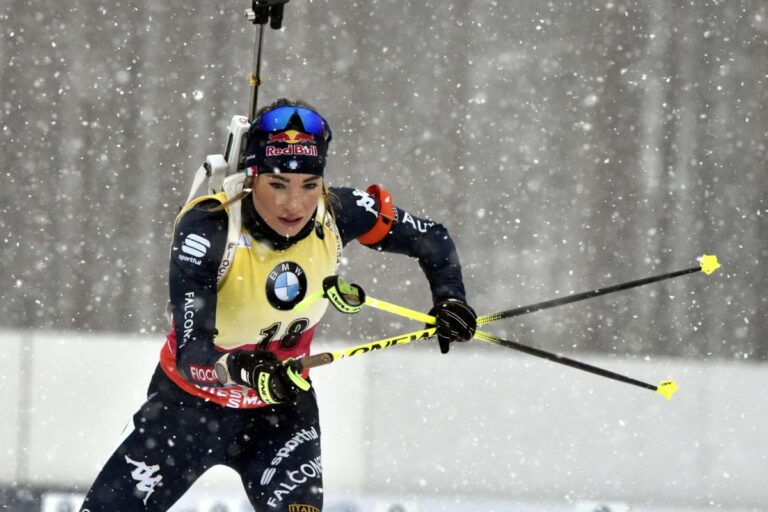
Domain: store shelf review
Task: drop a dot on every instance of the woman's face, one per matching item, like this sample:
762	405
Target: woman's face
286	202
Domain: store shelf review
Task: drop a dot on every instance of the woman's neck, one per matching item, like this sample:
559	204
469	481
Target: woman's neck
261	231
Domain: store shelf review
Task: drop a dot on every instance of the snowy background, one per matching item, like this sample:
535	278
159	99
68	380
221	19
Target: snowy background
566	145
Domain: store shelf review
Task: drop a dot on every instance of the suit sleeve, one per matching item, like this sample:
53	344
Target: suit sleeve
423	239
198	247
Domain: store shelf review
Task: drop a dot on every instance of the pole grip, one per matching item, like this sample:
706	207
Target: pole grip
305	363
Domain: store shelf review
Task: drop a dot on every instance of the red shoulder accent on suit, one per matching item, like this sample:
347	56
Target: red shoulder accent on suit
385	220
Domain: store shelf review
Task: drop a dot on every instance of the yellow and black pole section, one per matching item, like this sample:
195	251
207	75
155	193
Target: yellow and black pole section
666	388
324	358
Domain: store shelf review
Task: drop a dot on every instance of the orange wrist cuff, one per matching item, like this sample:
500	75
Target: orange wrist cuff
386	217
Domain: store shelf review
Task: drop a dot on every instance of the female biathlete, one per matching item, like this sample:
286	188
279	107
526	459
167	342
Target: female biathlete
240	261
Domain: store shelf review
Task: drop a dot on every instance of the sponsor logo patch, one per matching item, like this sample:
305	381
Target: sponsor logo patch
294	479
286	285
203	373
302	508
366	201
297	143
292	150
299	438
145	475
195	245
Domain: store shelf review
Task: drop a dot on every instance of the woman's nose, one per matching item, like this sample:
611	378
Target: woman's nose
293	201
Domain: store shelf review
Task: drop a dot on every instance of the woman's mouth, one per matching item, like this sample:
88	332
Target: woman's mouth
290	221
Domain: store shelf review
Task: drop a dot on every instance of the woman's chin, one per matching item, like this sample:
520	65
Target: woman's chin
289	230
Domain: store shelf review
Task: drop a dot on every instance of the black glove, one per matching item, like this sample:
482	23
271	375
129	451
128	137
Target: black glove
456	321
263	372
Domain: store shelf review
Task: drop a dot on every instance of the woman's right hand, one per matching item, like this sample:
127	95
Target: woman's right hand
274	381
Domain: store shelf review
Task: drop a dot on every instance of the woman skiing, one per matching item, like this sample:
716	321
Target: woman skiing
240	261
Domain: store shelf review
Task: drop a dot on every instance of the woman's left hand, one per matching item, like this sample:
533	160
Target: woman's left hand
456	321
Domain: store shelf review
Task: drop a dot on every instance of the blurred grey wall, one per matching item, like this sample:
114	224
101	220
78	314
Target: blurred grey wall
566	145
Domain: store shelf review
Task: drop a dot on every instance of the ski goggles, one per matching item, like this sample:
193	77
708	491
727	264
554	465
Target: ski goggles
280	118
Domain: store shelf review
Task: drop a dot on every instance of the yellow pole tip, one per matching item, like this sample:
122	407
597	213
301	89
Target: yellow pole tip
709	263
667	388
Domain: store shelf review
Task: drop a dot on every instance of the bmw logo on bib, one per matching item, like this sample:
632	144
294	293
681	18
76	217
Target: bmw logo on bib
286	285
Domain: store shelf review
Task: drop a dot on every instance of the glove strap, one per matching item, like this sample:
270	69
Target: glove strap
295	376
262	388
347	298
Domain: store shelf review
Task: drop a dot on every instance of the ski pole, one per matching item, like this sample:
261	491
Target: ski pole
666	388
708	264
324	358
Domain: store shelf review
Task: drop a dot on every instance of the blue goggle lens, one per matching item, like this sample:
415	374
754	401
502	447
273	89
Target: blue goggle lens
280	118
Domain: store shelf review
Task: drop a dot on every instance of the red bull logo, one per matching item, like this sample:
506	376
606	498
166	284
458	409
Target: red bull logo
278	137
296	144
291	137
